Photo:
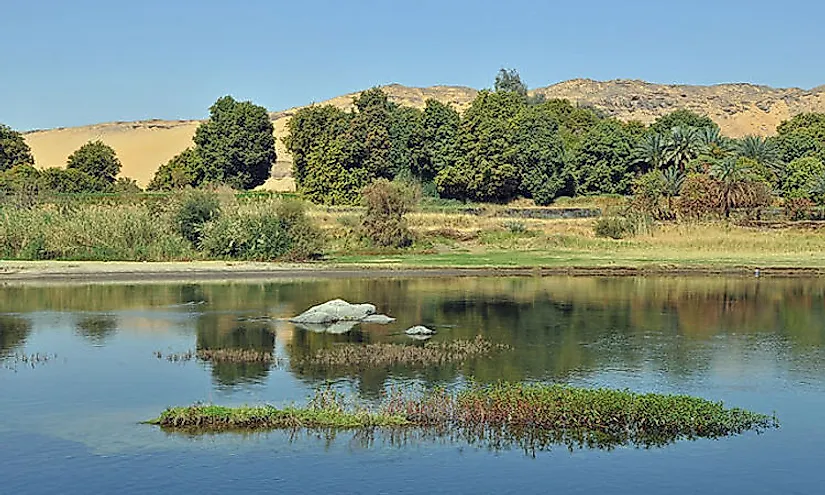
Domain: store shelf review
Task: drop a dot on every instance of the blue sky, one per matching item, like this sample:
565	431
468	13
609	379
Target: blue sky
73	63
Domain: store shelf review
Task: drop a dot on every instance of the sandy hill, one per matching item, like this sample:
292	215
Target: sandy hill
739	109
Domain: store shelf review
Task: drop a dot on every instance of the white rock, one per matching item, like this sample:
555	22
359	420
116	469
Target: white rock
419	330
333	311
379	319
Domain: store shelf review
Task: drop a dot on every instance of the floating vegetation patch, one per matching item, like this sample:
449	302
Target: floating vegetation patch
534	417
360	357
13	361
220	356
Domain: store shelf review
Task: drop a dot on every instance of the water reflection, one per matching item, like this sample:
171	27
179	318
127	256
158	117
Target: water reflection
13	333
556	326
96	328
225	331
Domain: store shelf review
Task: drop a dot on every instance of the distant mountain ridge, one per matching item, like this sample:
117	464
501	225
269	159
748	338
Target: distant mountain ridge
738	108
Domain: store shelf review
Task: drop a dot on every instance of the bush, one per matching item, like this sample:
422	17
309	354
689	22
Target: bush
700	196
383	223
612	227
262	232
194	208
70	181
798	208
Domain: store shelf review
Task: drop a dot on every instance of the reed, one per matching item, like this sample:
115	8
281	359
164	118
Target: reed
220	356
387	355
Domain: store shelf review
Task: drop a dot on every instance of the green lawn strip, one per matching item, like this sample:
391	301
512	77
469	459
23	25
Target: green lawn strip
573	259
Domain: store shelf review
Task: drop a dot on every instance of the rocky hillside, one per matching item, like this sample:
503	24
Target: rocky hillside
739	109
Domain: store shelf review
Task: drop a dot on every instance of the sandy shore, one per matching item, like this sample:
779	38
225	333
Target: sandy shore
95	271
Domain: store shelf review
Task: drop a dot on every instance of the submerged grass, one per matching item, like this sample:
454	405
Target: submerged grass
533	416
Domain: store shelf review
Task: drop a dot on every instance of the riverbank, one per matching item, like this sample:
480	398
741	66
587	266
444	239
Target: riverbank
366	267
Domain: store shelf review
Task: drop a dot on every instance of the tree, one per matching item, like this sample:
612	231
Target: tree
653	151
683	146
672	180
336	154
13	149
236	144
539	155
434	144
404	123
183	170
765	155
604	160
309	130
801	136
801	177
485	170
96	159
508	80
681	118
732	174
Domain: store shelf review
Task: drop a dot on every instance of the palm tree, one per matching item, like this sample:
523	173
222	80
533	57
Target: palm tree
712	143
673	180
762	151
683	147
732	174
652	151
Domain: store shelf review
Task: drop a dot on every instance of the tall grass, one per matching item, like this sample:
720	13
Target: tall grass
189	227
89	232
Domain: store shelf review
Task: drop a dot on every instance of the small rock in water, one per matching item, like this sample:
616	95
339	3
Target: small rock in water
420	337
379	319
333	311
419	330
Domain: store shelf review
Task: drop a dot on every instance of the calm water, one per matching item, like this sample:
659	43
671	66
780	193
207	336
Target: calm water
70	424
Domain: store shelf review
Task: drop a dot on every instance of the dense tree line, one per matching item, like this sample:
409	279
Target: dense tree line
510	143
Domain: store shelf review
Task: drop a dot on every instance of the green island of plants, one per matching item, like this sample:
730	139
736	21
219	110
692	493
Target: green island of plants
534	416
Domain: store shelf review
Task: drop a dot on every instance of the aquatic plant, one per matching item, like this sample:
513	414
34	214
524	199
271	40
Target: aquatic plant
220	356
359	356
33	360
532	416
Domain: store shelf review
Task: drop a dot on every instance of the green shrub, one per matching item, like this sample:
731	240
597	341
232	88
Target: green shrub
193	209
262	232
383	223
612	227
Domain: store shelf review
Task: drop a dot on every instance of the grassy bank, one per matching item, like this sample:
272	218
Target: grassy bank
190	228
554	413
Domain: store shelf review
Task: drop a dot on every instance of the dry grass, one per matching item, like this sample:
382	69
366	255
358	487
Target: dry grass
386	355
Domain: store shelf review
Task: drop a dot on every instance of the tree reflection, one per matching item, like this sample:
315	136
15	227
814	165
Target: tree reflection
221	331
97	328
13	333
